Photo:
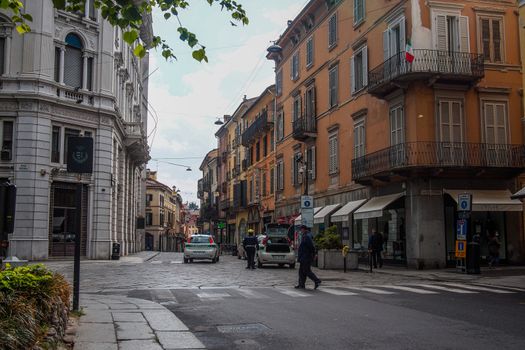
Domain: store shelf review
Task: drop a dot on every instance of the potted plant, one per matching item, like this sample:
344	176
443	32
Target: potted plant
329	247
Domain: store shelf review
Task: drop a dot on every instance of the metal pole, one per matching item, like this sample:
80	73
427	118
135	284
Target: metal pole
76	268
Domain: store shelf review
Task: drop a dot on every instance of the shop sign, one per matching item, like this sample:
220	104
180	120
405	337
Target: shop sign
461	230
461	249
464	202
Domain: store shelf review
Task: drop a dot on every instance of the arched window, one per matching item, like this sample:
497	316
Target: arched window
73	64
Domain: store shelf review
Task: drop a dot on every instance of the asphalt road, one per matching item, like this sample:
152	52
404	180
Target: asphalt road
228	307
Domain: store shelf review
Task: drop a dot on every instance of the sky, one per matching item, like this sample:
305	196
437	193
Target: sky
186	97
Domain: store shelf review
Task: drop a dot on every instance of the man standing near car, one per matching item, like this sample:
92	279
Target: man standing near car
250	244
305	256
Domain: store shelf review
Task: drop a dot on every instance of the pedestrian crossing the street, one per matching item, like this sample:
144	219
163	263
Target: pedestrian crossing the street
232	293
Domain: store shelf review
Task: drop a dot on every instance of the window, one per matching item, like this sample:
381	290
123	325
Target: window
451	120
280	174
491	38
397	127
294	66
257	151
149	199
57	64
2	55
280	125
161	218
333	82
73	61
451	33
265	145
55	144
359	11
161	201
296	112
333	156
59	137
279	82
272	180
149	218
310	159
6	139
296	178
67	134
309	109
264	192
359	138
332	31
495	122
309	52
359	69
394	39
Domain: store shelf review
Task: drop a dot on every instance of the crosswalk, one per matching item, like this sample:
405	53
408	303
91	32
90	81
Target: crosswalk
215	294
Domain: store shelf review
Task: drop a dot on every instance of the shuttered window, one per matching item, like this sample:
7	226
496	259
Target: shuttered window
333	83
279	82
495	120
296	178
333	156
296	112
394	39
359	138
359	69
280	175
73	61
310	158
451	33
332	30
359	11
280	126
264	186
397	127
294	66
310	52
491	38
309	109
2	55
272	180
451	120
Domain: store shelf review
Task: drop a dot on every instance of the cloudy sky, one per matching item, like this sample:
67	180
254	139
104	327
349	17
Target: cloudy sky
186	96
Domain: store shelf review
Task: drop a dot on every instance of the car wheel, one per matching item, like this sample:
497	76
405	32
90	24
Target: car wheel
281	265
185	260
292	266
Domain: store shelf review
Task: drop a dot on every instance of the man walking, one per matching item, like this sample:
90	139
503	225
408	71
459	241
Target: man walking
305	256
250	244
375	247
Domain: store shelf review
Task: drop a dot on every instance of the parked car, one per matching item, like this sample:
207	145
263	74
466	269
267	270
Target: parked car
275	247
201	247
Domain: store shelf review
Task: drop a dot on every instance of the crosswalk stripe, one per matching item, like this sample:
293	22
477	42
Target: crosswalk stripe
410	289
292	293
372	290
212	296
483	289
156	262
251	294
162	295
335	291
447	289
492	286
176	262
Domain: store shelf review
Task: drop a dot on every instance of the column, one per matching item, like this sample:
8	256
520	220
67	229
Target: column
61	73
7	55
86	9
84	70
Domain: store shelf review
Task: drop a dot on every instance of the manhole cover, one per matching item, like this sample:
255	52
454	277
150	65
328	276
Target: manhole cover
243	328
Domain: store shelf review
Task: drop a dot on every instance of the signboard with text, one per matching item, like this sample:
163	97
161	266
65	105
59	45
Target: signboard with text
465	202
461	230
461	249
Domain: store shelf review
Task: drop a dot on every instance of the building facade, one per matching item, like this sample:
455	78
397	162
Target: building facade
208	194
73	75
163	216
393	108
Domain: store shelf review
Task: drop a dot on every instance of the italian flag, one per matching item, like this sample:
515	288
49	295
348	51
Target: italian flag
409	52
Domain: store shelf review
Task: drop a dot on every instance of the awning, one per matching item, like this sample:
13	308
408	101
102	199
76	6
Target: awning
489	200
329	209
298	219
374	207
519	195
347	209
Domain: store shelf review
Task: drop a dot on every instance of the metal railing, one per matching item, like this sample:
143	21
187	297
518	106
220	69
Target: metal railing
259	126
439	154
303	126
459	65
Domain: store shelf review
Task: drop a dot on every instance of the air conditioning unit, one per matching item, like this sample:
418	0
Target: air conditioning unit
5	154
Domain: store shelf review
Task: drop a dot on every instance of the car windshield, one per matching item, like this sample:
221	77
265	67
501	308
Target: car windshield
277	231
200	239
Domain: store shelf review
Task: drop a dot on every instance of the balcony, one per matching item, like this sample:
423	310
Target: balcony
304	128
78	96
440	159
136	141
433	65
260	126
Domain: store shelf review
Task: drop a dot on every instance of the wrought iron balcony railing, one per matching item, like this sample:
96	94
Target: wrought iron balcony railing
439	154
304	128
258	127
444	65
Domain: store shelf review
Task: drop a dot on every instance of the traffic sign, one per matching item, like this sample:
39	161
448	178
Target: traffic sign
307	217
307	202
461	230
464	202
461	249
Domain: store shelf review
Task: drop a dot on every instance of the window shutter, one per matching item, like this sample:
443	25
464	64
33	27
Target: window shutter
73	67
485	38
365	66
314	106
352	73
386	44
402	40
496	40
463	34
500	126
281	176
292	168
312	151
299	177
489	123
441	33
336	153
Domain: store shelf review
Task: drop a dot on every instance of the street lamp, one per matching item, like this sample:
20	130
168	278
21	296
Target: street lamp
218	121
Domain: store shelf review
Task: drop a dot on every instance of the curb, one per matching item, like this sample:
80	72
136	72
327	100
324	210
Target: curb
151	257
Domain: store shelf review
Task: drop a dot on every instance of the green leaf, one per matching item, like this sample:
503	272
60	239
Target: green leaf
167	15
23	28
199	55
27	17
130	37
139	51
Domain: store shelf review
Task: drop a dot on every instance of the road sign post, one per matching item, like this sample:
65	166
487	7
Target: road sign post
307	211
462	229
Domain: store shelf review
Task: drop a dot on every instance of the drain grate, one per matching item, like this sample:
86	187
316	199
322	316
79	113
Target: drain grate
243	328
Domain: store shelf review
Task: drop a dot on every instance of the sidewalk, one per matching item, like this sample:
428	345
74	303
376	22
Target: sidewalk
139	257
115	322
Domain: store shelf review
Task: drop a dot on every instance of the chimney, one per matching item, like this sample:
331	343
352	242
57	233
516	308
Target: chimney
226	118
244	98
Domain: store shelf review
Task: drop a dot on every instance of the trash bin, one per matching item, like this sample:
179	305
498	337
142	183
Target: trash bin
115	251
473	258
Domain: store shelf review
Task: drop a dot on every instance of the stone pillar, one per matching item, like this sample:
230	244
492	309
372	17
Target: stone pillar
84	69
7	55
61	65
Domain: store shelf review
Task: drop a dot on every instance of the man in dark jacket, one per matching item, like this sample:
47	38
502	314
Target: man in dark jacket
305	256
250	244
375	247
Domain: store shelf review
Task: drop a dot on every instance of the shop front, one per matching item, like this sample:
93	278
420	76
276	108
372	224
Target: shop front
343	218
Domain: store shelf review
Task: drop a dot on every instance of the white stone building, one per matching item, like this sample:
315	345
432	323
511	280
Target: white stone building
73	75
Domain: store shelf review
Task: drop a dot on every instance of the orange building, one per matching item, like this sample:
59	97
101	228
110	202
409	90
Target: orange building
258	164
393	108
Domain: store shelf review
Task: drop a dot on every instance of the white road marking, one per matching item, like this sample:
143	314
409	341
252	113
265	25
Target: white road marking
213	296
251	294
447	289
372	290
292	293
156	262
162	295
492	286
335	291
410	289
176	262
483	289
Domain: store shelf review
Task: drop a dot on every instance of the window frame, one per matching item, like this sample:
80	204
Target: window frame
294	66
310	52
11	149
357	19
333	86
297	107
491	18
399	131
360	137
63	141
495	102
363	52
332	31
333	153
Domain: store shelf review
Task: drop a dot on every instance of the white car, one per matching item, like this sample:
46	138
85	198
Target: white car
275	247
201	247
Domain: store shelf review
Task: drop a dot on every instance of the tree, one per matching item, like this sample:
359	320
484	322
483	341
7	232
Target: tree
193	206
129	16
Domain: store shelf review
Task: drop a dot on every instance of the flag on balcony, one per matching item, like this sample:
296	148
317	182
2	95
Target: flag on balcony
409	52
